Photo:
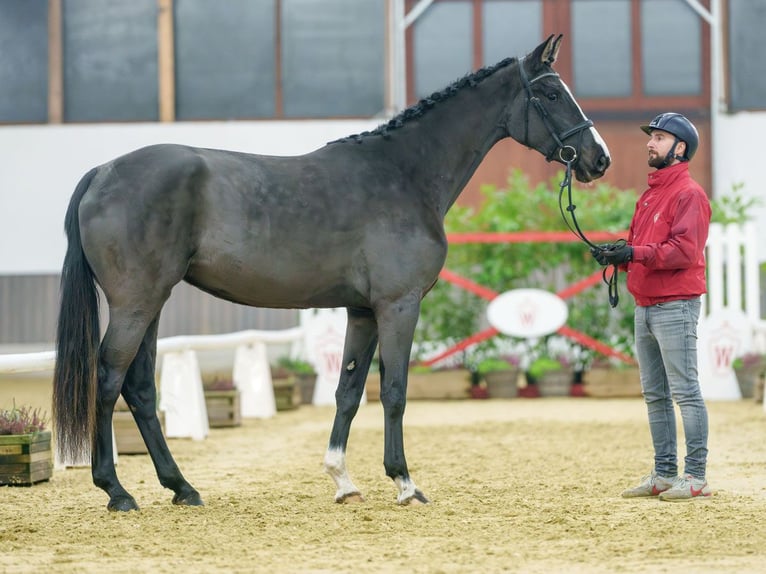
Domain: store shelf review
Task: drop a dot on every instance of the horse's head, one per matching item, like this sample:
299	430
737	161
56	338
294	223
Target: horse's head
546	117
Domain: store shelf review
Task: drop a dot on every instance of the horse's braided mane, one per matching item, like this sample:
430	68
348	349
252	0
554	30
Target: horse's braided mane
420	108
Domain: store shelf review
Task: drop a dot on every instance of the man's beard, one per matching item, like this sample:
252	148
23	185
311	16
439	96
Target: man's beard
656	161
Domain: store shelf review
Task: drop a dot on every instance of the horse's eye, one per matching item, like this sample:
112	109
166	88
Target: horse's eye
552	96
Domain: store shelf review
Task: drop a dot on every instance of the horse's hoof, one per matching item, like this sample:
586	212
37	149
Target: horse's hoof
123	503
416	499
350	498
188	499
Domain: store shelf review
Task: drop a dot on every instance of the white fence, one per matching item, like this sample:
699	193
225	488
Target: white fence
732	270
733	278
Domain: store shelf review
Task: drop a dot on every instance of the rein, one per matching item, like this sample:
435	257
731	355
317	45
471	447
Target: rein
568	156
574	227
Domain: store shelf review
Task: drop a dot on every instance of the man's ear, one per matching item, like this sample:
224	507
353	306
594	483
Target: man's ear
681	148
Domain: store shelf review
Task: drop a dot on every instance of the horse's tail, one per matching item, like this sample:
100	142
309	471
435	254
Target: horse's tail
77	342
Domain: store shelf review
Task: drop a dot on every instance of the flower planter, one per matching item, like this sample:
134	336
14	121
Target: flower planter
748	379
502	384
306	383
25	459
433	385
286	394
607	382
556	383
223	408
127	437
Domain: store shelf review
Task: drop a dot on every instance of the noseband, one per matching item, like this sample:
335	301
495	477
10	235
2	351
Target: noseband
567	153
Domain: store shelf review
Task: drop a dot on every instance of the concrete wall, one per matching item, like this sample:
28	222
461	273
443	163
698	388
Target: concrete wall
40	166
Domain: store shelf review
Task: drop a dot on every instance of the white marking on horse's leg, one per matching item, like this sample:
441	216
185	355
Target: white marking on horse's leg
335	466
407	491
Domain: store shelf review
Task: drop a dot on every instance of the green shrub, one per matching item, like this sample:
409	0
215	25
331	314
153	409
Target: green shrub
450	314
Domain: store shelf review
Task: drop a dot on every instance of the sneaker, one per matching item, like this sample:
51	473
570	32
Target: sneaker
651	485
686	488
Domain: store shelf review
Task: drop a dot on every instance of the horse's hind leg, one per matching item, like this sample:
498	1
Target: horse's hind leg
140	393
119	347
361	339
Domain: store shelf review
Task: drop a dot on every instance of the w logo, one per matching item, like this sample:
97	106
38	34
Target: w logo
723	355
331	359
527	318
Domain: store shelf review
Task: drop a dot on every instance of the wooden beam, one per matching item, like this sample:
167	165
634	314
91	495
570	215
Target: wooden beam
166	61
55	64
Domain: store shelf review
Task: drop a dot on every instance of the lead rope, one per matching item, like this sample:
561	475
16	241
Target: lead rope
574	227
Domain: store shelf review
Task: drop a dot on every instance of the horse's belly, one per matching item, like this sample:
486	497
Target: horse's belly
299	288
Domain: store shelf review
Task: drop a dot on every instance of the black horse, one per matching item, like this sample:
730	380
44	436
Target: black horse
356	224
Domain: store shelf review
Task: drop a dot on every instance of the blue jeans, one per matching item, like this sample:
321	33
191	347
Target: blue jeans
666	347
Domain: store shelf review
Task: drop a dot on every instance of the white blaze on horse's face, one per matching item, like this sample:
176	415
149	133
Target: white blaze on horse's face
593	131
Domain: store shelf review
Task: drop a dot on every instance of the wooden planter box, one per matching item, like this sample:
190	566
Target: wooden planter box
306	383
25	458
502	384
434	385
748	380
612	383
126	434
286	394
223	408
556	383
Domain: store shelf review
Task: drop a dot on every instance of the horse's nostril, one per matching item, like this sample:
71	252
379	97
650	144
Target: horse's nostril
603	163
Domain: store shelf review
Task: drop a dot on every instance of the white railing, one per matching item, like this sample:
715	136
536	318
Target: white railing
181	394
44	361
733	276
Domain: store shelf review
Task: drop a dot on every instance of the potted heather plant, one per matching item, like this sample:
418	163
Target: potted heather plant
222	401
750	368
302	373
25	447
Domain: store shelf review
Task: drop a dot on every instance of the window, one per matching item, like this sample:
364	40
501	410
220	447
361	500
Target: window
110	60
333	57
671	46
225	60
601	46
747	44
24	61
442	46
510	29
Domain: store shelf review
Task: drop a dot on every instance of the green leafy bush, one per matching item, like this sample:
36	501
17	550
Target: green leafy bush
298	366
450	314
734	207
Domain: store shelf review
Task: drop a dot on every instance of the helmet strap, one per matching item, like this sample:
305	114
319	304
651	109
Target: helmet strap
672	154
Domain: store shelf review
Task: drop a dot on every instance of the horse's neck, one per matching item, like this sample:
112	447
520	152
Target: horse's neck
446	145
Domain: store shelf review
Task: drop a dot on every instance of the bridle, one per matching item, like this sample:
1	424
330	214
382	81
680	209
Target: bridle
568	156
567	153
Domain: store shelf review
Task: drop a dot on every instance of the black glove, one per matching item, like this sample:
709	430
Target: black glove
613	254
597	252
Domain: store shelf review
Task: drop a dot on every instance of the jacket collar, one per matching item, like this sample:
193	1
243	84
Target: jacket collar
667	175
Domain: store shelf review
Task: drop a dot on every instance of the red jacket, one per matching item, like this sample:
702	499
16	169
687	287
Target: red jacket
668	234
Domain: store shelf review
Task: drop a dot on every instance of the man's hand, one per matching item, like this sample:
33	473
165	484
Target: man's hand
612	254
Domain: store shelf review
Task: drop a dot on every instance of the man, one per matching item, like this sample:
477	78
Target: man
665	265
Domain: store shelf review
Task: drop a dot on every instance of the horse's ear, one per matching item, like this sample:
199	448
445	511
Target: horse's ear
550	49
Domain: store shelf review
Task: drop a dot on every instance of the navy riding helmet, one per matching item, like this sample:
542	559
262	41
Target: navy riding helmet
680	127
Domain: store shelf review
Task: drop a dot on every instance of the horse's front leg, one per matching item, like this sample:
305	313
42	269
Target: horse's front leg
361	339
396	328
